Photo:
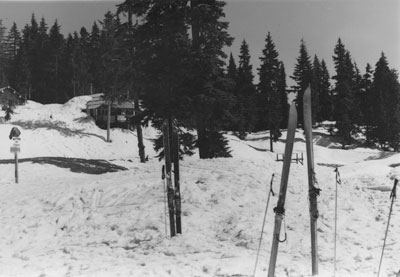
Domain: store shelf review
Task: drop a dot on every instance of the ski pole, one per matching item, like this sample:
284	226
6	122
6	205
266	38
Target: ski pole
338	182
265	216
392	197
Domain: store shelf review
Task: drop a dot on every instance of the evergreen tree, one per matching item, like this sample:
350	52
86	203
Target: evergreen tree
211	99
13	44
244	110
95	66
316	78
284	97
344	93
232	70
366	104
269	100
3	78
302	75
55	82
325	101
385	94
358	96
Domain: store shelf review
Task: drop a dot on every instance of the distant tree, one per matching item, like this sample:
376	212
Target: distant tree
269	87
55	80
3	78
284	97
13	44
385	94
302	75
366	104
325	98
344	105
316	89
245	90
95	67
232	70
358	96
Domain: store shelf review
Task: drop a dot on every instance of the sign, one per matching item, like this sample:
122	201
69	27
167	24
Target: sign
15	133
15	149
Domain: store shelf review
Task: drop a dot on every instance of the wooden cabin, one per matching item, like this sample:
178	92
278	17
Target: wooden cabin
121	112
10	97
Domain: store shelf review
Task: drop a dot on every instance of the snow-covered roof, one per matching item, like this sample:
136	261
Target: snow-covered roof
8	89
98	100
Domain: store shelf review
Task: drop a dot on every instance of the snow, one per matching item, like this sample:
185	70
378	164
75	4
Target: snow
61	219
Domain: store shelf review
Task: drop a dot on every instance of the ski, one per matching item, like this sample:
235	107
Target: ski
170	188
177	196
313	191
280	209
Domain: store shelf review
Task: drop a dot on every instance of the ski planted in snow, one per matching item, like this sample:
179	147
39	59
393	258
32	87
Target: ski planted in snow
280	208
170	188
177	196
313	191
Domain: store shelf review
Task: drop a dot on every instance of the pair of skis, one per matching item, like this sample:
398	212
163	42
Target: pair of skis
313	192
171	156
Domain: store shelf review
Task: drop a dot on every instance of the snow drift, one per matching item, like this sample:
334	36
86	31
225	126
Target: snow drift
64	218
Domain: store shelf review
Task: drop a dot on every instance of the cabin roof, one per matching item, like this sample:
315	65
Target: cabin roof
98	100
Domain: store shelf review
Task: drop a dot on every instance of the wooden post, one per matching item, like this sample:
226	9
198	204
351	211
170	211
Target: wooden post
16	166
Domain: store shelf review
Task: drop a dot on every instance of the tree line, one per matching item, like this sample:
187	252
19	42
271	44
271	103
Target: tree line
170	55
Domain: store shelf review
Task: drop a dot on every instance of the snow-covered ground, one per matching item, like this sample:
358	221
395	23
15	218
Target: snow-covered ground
63	218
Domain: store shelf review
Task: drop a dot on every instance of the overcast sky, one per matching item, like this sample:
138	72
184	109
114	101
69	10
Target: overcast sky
365	27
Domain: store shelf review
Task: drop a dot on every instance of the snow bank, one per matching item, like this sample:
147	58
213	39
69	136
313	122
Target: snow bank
59	222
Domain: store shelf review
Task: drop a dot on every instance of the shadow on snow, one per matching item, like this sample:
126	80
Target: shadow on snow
87	166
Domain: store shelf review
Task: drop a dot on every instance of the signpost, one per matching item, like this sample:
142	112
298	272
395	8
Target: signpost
15	148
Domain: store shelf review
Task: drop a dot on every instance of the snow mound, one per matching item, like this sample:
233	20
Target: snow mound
60	221
64	130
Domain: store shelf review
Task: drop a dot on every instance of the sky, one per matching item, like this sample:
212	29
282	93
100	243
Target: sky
365	27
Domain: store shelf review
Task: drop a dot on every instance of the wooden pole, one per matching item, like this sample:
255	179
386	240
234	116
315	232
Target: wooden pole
16	166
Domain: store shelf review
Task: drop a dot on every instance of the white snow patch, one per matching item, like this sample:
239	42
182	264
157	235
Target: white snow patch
59	220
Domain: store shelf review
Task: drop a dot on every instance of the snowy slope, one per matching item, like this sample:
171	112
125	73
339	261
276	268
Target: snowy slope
61	220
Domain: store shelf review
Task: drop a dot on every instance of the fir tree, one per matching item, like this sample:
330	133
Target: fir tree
54	67
385	94
269	101
325	101
344	93
3	78
245	93
316	78
232	70
13	44
211	99
284	97
302	75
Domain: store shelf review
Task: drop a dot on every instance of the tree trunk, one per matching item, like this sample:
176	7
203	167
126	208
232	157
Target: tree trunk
201	138
108	120
271	143
139	131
